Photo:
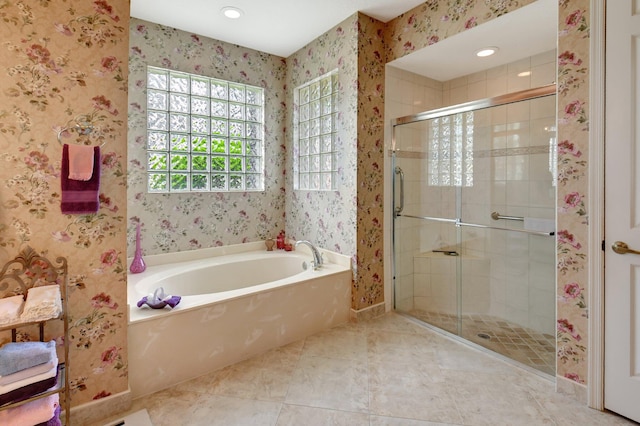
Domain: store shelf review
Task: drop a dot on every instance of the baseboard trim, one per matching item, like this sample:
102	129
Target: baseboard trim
368	313
102	408
572	389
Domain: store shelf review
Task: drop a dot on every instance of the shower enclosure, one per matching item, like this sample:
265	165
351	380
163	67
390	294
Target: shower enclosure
474	222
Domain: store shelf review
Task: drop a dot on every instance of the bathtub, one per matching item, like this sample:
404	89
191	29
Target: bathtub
237	301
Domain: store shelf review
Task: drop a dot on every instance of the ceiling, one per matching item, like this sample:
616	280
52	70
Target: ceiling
281	27
525	32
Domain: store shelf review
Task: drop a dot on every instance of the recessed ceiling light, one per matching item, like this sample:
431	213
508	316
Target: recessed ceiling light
231	12
487	51
524	74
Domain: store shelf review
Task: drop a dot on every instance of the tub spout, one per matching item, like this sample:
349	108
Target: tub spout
317	257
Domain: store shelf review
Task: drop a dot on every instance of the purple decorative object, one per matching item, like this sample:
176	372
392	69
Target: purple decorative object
137	265
159	300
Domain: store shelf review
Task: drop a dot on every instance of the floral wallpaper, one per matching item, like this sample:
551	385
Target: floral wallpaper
572	217
178	222
348	220
369	283
328	219
62	59
435	20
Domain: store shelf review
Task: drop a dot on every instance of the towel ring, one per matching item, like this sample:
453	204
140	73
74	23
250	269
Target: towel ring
82	127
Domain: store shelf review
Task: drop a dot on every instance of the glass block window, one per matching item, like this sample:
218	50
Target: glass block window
315	133
451	150
203	134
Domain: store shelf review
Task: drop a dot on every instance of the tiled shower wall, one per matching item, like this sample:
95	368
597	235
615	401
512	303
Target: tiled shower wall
506	274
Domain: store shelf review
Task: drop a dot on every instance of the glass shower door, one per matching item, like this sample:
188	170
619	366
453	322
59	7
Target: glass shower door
474	220
425	238
508	259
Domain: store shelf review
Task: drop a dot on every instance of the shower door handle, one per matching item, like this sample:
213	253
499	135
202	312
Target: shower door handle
622	248
399	208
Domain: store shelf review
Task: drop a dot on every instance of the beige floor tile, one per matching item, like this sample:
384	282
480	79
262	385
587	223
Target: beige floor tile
250	382
342	342
398	391
401	347
414	399
393	323
265	377
388	371
214	410
334	383
462	358
566	411
171	407
395	421
489	402
309	416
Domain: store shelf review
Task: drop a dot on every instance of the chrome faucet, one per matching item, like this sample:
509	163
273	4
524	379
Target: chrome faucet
317	257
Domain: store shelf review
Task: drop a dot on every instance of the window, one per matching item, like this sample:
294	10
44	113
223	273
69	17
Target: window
315	133
203	134
451	150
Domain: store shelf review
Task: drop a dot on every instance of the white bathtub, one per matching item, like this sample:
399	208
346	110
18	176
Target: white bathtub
237	301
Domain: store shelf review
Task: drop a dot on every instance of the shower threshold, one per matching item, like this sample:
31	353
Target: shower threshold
525	346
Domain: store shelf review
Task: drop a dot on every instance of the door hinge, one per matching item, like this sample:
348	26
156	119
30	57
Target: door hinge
603	246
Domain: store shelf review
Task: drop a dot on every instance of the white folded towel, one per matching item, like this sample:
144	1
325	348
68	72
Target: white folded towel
539	225
30	380
42	303
10	309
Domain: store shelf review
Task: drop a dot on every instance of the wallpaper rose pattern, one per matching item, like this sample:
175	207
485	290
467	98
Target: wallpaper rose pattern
348	220
572	217
62	59
178	222
368	284
435	20
327	218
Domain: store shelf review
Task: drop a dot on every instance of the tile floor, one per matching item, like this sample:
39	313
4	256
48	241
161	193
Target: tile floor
524	345
387	371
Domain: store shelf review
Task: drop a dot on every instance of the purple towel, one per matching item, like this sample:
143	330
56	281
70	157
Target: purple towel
53	421
80	197
28	391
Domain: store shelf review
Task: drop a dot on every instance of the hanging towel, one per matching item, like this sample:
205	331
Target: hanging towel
80	197
10	309
43	303
16	356
31	413
80	162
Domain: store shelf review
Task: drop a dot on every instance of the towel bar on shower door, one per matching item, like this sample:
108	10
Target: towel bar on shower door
458	222
498	216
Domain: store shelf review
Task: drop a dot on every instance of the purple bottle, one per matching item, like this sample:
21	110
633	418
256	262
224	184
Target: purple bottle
137	265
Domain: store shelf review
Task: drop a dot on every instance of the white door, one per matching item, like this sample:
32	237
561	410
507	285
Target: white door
622	208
